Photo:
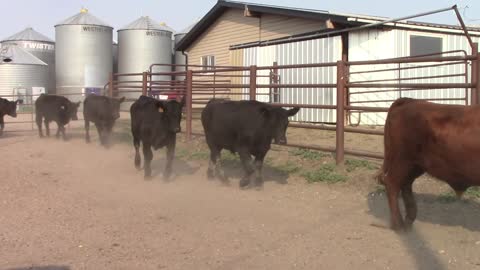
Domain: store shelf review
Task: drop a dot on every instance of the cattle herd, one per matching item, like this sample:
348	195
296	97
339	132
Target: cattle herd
420	137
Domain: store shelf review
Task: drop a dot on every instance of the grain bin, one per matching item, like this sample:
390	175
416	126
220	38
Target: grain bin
115	56
180	58
142	43
83	54
39	46
21	73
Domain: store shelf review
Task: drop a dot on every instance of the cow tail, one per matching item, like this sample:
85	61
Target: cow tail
388	153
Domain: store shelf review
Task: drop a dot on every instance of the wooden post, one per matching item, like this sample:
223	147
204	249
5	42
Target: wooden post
340	131
253	82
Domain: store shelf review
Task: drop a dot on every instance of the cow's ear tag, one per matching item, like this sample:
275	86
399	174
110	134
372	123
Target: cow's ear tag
160	109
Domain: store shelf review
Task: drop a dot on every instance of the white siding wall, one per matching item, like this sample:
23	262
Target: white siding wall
370	45
305	52
377	44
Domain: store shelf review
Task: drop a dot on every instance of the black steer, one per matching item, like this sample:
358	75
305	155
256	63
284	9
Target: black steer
7	108
103	112
246	128
54	108
155	123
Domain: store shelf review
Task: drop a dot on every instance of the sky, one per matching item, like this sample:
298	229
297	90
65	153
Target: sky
43	15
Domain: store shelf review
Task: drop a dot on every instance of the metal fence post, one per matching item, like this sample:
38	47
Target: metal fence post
253	82
340	130
475	75
110	86
189	104
144	83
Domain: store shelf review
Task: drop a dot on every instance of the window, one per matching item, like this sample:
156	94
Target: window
421	45
207	62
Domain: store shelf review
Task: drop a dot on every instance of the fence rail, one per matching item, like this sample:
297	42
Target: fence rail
340	92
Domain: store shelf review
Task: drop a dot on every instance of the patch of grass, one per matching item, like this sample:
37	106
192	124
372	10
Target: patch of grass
380	189
447	197
123	137
228	156
288	168
473	192
308	154
181	153
326	174
200	155
354	164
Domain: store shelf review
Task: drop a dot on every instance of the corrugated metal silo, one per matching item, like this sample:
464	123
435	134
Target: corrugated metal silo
40	46
142	43
115	56
180	58
21	73
84	58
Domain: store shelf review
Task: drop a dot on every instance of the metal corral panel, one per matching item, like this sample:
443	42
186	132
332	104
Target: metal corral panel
304	52
41	47
450	43
141	44
371	45
23	73
381	44
83	55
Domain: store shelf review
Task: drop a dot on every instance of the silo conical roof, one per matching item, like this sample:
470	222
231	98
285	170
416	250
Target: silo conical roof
17	55
186	30
146	23
83	18
28	34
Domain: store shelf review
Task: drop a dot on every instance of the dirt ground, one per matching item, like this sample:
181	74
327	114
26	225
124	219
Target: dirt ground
69	205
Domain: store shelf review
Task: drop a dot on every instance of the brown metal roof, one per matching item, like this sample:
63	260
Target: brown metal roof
223	5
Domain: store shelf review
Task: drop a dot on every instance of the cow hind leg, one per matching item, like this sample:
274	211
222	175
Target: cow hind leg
47	127
100	133
214	167
396	220
410	205
2	125
147	156
170	155
138	159
258	171
247	166
38	119
87	130
396	180
409	198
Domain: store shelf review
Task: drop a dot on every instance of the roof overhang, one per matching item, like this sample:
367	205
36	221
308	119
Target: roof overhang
255	10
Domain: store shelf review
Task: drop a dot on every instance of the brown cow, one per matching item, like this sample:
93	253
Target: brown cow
420	136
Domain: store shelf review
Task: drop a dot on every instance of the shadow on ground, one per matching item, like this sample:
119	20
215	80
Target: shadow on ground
431	209
234	170
50	267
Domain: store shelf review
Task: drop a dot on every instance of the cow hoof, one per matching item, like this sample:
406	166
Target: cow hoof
398	227
210	174
147	177
245	183
167	177
226	183
259	187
